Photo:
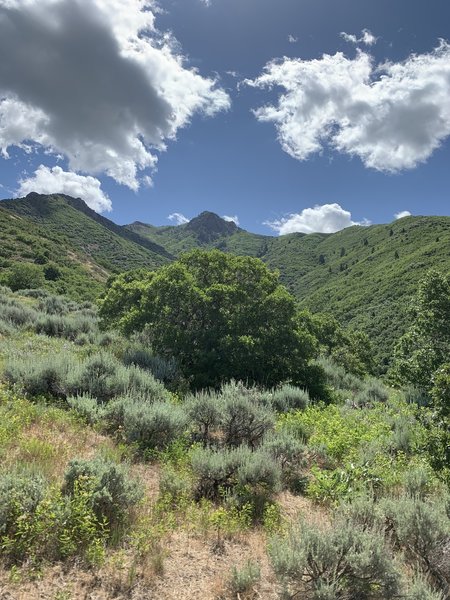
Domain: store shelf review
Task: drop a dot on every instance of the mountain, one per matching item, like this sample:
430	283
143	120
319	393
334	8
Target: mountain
206	231
85	247
364	276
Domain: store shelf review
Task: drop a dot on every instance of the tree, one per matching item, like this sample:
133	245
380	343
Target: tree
22	275
425	346
220	316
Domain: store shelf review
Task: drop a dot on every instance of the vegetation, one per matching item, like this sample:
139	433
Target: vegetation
135	460
219	316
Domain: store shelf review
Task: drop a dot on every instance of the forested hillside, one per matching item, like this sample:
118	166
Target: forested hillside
364	276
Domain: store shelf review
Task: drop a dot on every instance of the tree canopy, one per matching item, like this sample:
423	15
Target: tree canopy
426	345
220	316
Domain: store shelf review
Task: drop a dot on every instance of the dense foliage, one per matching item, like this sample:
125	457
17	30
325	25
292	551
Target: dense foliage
219	316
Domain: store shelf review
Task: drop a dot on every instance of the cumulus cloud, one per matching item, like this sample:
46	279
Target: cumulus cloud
401	214
96	81
392	116
325	218
231	219
178	218
367	38
56	181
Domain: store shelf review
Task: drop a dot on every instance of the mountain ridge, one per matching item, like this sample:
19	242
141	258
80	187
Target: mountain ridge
363	275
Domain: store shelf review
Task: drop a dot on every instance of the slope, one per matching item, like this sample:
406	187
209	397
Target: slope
364	276
206	231
85	247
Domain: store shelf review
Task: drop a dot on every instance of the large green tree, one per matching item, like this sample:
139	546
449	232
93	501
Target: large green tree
220	316
425	347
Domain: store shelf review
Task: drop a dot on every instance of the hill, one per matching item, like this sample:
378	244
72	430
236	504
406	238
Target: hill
364	276
84	247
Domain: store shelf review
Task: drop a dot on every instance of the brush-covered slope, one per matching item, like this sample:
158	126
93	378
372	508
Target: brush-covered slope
206	231
365	276
85	247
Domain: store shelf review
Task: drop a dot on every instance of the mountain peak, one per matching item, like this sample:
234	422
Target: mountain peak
208	226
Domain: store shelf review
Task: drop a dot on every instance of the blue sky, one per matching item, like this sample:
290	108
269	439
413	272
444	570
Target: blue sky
229	106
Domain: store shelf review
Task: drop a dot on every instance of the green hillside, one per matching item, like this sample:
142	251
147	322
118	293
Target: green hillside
207	231
63	232
365	276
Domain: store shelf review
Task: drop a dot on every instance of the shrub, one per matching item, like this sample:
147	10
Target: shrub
87	407
69	327
371	392
215	471
54	305
205	413
246	475
39	375
17	314
20	494
289	397
421	529
289	453
244	421
338	377
174	486
161	368
58	528
343	562
415	395
113	493
23	275
152	426
420	590
418	482
103	377
242	580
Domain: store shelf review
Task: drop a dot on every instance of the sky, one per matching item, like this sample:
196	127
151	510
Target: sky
282	115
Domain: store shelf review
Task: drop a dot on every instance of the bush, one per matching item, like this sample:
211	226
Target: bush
343	562
242	580
337	376
246	475
103	377
87	407
113	493
55	325
243	420
289	453
152	426
205	413
39	375
289	397
58	528
371	392
20	494
161	368
421	529
23	275
16	314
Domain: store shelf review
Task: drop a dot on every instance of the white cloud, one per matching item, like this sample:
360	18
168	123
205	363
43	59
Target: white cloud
57	181
391	116
232	219
96	81
178	218
401	214
325	218
367	38
292	39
